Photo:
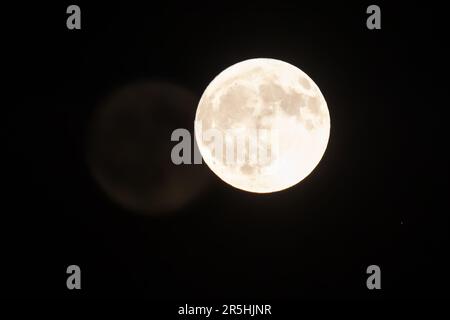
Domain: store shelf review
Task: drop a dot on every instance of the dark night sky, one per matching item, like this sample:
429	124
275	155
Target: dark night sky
379	195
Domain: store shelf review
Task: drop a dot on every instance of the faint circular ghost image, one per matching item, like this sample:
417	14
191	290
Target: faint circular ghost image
129	147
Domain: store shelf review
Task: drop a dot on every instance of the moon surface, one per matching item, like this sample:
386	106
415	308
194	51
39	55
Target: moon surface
262	125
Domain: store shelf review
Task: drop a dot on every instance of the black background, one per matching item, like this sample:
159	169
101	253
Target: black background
379	195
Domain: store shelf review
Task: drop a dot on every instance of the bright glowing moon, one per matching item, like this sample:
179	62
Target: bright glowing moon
264	107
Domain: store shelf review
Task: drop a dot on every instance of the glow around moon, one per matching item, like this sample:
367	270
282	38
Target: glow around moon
262	125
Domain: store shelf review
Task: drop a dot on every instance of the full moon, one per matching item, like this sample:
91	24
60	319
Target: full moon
262	125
